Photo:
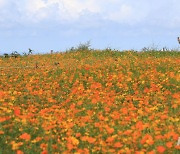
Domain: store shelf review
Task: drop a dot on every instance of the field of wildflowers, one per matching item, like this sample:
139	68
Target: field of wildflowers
90	102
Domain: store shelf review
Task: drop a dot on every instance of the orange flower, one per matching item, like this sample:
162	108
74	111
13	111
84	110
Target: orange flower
169	144
2	119
110	130
127	132
43	146
151	152
84	138
139	125
91	140
94	100
19	152
44	152
25	136
69	146
1	94
176	95
115	115
147	139
95	85
124	111
97	124
159	137
107	109
80	103
146	90
177	147
17	112
101	117
54	146
110	139
139	152
80	151
118	145
128	118
160	149
164	117
78	134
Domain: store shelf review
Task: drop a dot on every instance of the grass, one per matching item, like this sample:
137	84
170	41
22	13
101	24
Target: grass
90	102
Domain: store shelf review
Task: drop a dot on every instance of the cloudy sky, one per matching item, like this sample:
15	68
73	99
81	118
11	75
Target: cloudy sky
43	25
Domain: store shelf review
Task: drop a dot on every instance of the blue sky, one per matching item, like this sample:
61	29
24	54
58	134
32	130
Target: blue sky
43	25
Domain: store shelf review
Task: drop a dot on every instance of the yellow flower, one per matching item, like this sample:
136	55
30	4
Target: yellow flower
140	112
74	141
15	146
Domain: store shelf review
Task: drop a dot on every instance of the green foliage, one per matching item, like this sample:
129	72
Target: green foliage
81	47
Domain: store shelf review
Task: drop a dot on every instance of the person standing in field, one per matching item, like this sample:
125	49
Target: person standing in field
178	39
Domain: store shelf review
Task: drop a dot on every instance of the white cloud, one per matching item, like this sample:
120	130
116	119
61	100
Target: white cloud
123	14
74	8
2	3
32	10
68	10
120	11
34	6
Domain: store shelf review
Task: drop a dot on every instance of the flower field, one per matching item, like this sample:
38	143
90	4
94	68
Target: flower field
90	102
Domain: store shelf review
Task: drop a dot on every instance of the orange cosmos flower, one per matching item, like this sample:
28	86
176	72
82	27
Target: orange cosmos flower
19	152
110	139
70	146
115	115
176	95
110	130
118	145
169	144
1	94
161	149
177	147
78	134
97	124
43	146
25	136
151	152
17	112
44	152
139	125
127	132
147	139
2	119
91	140
163	117
124	111
139	152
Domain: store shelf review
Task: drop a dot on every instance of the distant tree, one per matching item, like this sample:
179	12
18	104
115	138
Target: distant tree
84	46
81	47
